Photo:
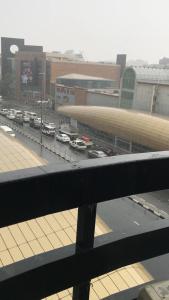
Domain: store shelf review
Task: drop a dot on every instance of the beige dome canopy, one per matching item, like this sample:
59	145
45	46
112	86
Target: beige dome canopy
150	131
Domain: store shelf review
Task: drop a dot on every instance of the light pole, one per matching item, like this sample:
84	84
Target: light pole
43	97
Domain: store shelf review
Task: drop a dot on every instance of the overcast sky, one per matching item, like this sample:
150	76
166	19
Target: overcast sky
98	28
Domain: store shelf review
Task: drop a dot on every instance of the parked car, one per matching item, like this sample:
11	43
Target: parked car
26	118
35	123
30	114
87	140
11	116
18	119
7	130
78	144
50	124
62	137
96	154
48	129
4	111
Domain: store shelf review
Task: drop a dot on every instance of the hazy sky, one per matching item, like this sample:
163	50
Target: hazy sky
98	28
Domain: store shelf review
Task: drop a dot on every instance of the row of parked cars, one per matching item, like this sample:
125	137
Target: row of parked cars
34	121
84	143
81	143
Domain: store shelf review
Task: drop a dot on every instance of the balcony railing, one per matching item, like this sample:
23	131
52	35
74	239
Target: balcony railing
32	193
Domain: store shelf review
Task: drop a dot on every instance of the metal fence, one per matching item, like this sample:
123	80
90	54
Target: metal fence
81	185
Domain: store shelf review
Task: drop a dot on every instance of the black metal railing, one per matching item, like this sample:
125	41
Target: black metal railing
35	192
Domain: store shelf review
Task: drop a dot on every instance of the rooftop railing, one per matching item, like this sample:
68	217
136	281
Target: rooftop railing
36	192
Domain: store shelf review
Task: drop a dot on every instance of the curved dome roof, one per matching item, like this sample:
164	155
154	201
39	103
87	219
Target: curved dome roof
150	74
143	129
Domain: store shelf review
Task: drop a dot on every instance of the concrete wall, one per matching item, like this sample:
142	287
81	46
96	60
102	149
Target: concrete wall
152	98
162	103
97	99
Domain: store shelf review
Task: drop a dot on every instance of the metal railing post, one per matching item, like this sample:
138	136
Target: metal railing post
84	241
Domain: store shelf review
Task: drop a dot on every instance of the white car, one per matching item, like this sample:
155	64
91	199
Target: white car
78	144
62	137
11	116
7	130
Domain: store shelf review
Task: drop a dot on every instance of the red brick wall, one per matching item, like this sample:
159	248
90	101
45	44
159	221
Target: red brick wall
90	69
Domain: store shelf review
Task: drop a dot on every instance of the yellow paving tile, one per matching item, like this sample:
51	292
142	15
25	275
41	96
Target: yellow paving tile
69	217
15	156
63	237
71	233
7	237
53	223
118	281
109	285
2	245
70	290
53	297
67	298
17	234
35	246
100	290
127	277
16	254
61	220
26	250
44	225
54	240
135	275
45	244
103	227
74	212
28	234
35	228
144	274
6	258
93	295
63	294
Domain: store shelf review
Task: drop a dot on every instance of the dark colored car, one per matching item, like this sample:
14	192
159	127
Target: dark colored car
19	120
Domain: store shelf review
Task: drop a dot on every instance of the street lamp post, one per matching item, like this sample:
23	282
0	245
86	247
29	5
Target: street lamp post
43	97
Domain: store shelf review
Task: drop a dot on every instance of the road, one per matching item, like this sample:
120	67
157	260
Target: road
61	149
160	199
123	214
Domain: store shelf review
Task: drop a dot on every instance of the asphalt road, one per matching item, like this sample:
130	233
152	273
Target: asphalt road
160	199
123	214
64	149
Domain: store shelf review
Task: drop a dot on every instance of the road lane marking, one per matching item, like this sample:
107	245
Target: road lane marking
135	222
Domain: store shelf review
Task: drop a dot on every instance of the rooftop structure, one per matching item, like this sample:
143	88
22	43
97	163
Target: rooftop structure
135	95
69	55
94	69
80	77
143	129
149	74
85	81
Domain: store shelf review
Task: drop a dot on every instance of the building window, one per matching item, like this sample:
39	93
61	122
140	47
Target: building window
128	81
